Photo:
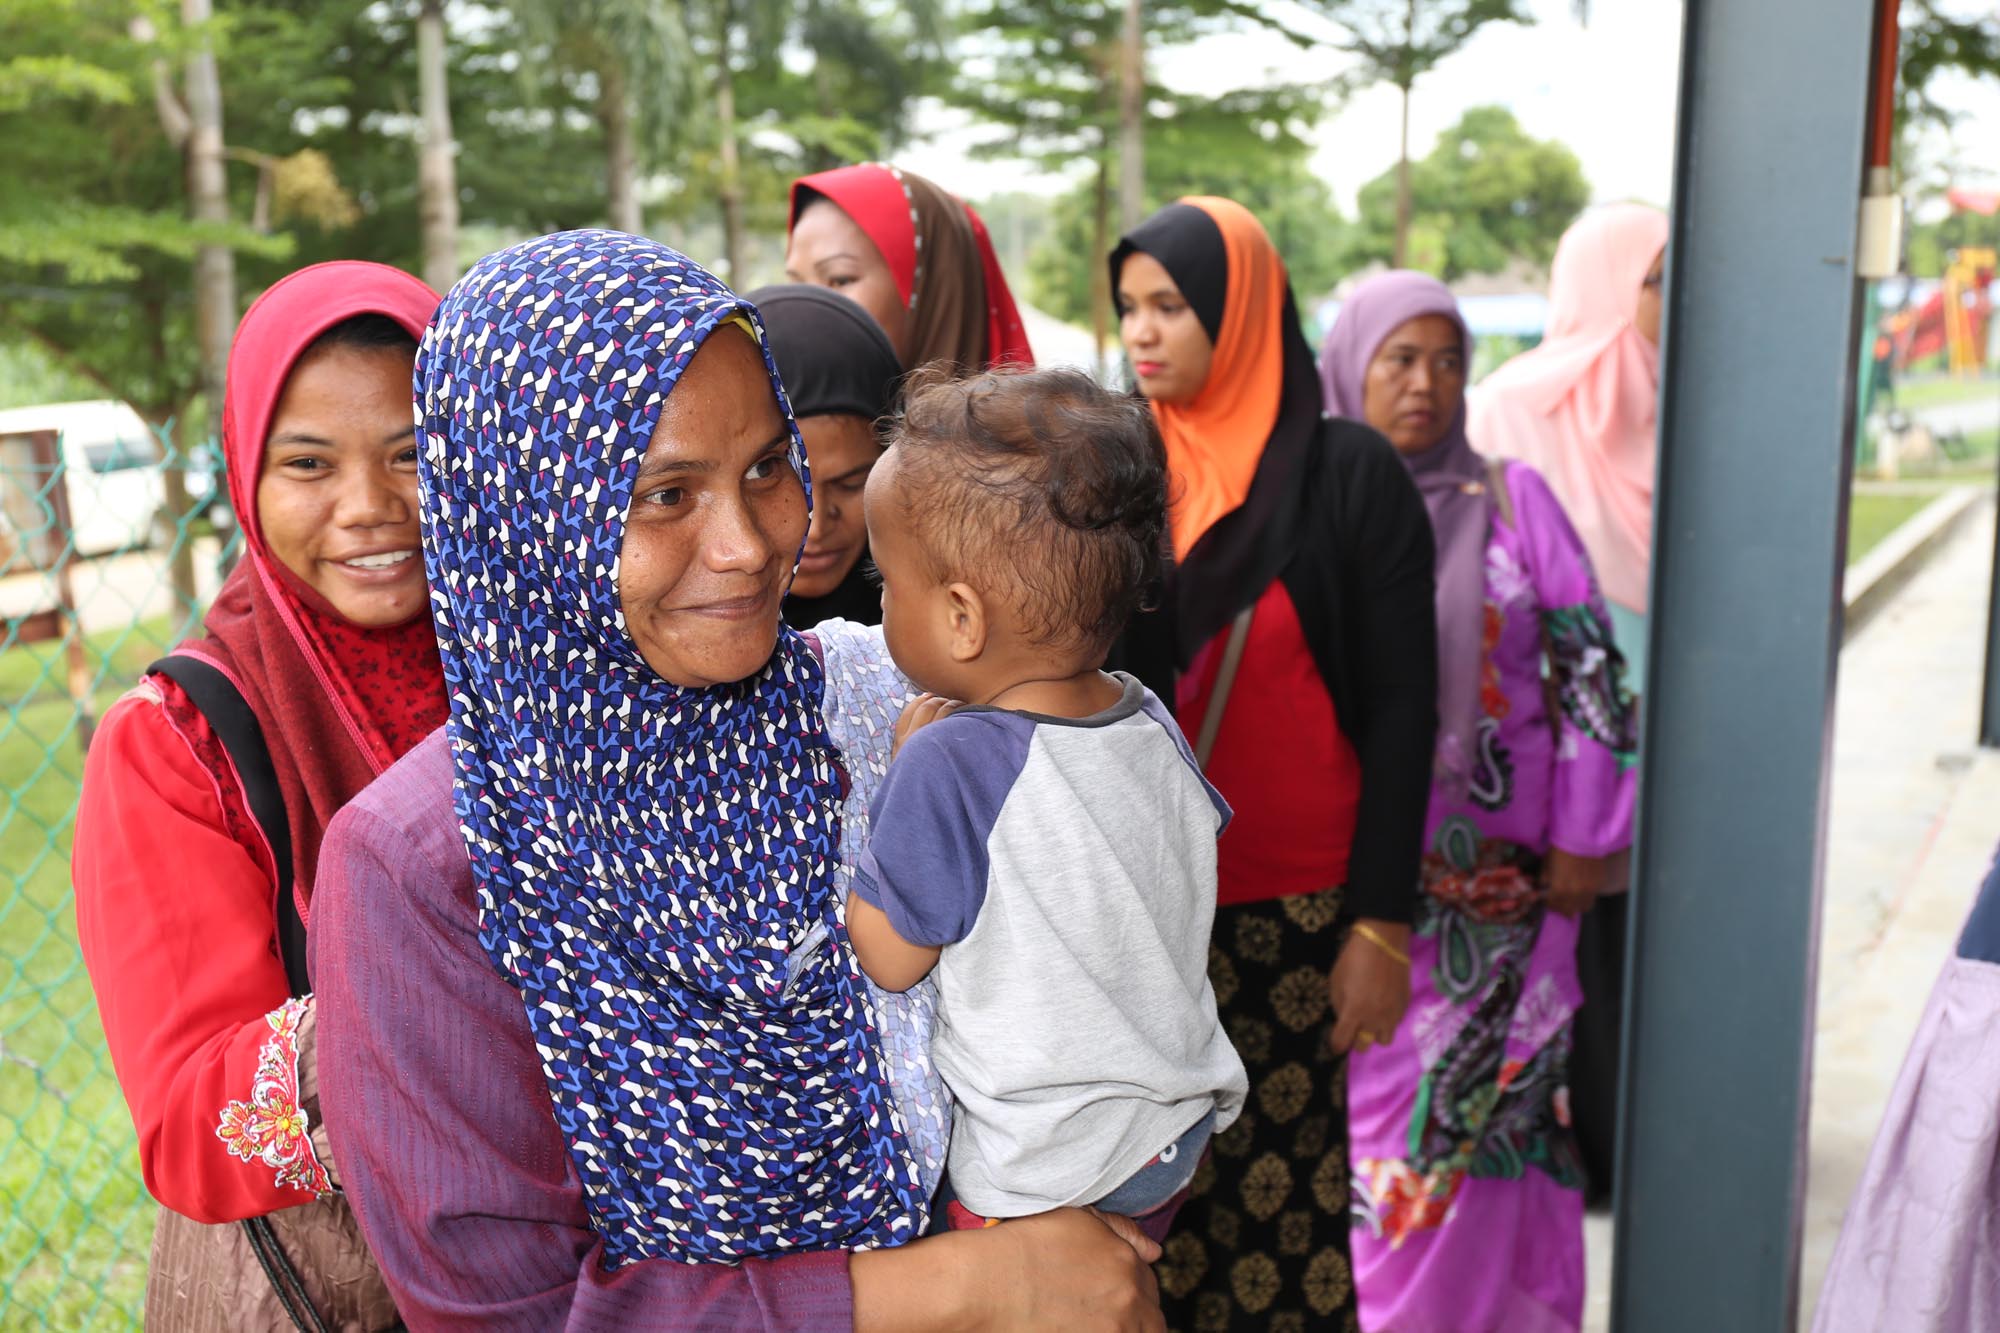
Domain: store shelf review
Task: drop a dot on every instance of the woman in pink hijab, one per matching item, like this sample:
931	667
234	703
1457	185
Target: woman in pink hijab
1580	409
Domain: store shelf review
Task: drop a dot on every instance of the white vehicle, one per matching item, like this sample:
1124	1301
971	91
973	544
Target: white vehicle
111	466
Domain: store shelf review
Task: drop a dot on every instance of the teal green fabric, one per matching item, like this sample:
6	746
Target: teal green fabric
1628	628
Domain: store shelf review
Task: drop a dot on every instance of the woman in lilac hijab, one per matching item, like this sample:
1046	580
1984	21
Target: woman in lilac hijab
1468	1199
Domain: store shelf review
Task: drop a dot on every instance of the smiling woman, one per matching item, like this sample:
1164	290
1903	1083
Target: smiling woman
337	493
190	857
589	1011
717	517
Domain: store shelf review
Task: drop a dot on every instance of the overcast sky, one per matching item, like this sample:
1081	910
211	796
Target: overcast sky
1606	89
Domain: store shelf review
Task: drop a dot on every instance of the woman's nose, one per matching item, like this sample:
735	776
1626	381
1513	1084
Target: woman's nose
734	539
371	497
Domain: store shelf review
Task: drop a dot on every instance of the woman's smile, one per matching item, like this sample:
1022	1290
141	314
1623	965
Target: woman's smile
746	606
379	569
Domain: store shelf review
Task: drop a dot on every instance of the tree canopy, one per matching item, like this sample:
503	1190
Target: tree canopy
1488	193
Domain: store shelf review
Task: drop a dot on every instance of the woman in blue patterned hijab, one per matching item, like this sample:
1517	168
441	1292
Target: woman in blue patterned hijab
589	1032
647	790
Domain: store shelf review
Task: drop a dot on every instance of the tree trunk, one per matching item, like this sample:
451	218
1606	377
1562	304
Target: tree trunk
180	560
731	185
1100	244
208	201
621	170
1403	187
214	264
437	172
1132	122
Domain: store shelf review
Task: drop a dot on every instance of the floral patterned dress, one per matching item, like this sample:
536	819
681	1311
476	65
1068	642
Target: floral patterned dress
1467	1187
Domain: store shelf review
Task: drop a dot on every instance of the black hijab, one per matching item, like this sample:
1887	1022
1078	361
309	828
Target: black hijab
835	361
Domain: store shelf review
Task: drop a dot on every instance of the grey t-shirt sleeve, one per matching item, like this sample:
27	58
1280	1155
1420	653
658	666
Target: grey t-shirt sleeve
926	864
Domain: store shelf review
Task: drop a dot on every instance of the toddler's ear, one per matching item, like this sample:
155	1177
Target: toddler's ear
965	610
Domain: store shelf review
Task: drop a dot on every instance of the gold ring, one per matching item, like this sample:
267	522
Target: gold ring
1365	1038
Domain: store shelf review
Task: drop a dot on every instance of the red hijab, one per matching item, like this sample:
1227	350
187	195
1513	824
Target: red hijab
937	248
337	703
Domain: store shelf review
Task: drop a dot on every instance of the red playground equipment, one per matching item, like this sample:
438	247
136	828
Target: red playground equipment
1955	318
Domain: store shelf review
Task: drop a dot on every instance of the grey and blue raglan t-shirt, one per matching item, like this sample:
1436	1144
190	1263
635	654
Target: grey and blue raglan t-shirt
1067	867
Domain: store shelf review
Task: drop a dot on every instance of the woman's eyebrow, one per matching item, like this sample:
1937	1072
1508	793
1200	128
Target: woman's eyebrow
289	437
655	467
824	260
853	472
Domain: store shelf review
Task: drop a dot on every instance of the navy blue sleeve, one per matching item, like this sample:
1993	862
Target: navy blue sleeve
1158	712
926	863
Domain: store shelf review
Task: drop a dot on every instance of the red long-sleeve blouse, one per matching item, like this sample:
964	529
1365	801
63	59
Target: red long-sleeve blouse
176	907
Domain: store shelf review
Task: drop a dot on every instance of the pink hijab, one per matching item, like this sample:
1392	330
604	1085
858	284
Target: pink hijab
1580	408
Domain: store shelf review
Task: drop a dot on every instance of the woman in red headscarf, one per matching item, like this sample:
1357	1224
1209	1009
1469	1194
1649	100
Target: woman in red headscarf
916	258
190	852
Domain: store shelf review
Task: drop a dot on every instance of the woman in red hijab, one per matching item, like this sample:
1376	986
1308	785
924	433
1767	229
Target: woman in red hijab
916	258
181	866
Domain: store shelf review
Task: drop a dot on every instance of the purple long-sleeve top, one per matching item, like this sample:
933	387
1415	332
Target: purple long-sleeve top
439	1111
1569	782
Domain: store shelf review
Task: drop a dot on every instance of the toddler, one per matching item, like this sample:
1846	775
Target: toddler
1046	846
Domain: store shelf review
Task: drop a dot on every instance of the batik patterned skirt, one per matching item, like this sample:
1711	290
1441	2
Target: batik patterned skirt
1468	1202
1262	1241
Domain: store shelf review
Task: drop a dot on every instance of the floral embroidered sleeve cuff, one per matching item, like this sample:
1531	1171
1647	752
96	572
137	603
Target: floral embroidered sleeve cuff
272	1127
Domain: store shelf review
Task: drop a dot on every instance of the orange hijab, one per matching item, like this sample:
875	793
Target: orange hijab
1215	442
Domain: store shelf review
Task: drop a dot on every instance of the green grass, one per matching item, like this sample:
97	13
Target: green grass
75	1222
1933	390
1870	518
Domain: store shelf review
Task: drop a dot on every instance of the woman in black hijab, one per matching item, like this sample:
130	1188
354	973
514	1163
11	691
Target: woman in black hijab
841	375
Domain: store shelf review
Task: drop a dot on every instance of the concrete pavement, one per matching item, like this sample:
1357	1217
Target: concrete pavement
1914	819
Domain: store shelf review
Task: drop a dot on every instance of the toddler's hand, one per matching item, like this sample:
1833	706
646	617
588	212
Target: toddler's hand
919	713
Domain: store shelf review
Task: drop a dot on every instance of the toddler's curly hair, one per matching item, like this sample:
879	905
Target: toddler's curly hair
1041	486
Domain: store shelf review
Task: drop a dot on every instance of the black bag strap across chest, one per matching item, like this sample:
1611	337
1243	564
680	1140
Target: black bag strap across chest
236	727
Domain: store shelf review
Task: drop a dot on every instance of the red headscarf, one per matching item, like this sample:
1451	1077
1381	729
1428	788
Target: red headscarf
930	240
337	703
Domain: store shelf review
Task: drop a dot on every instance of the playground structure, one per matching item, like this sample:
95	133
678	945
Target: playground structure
1955	320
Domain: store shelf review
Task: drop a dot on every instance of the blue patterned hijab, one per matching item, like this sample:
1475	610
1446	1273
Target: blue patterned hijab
654	863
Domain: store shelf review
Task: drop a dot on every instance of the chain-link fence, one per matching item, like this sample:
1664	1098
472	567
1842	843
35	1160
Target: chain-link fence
111	542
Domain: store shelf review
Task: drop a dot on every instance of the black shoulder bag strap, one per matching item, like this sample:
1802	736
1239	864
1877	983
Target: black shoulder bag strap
236	727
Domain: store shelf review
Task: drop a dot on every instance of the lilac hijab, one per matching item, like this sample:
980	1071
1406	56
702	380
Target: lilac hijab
1453	481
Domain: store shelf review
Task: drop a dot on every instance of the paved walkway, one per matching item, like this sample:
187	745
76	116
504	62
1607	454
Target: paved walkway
1915	817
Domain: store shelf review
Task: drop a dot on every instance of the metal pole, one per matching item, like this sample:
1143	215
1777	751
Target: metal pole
1989	709
1757	411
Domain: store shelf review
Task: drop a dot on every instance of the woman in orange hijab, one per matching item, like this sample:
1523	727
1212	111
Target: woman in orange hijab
1300	616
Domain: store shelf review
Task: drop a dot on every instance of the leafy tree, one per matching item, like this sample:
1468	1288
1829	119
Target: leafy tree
1488	193
1398	42
95	244
1927	245
1205	151
636	58
1048	74
1937	38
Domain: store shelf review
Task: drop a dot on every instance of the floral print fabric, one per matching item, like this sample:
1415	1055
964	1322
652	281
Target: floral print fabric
271	1127
1466	1181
